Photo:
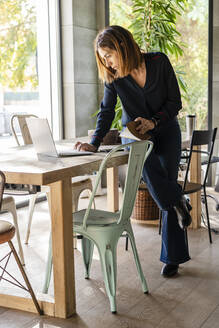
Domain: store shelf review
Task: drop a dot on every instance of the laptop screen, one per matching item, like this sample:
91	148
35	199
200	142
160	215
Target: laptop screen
41	135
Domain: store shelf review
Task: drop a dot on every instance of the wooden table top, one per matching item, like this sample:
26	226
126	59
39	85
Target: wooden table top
21	165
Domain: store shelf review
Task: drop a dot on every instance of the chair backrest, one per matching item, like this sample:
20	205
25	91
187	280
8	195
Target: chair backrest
201	138
138	154
2	184
139	151
21	119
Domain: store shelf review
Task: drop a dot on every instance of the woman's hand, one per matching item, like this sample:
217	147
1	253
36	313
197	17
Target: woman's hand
83	146
144	125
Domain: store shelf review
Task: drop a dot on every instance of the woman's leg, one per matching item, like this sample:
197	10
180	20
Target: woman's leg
160	174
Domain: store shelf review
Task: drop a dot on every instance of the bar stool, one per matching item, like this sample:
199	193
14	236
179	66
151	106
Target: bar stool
7	232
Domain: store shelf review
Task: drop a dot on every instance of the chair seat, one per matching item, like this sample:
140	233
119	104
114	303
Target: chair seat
191	187
96	218
7	231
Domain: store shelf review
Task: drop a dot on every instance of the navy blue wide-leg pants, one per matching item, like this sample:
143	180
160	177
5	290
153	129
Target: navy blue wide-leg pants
160	174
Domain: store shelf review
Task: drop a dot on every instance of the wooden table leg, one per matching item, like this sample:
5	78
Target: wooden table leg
112	189
195	175
62	241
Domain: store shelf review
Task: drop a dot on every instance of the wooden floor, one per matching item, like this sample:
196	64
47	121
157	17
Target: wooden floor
190	300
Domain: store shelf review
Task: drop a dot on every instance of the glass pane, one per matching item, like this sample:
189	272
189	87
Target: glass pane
18	63
192	66
193	27
30	60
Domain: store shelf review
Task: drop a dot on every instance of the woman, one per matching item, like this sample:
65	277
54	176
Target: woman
149	93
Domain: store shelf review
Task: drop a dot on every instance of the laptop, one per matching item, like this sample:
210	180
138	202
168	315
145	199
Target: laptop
43	141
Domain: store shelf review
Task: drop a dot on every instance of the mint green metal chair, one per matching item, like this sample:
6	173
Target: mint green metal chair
103	228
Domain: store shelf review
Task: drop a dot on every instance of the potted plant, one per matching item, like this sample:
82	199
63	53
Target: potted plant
154	29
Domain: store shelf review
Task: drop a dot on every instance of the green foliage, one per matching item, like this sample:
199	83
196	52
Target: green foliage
17	43
153	24
194	30
117	122
121	13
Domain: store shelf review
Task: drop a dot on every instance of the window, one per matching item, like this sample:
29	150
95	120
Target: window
30	67
193	26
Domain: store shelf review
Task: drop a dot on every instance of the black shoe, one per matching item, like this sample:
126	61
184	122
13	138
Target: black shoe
182	210
169	270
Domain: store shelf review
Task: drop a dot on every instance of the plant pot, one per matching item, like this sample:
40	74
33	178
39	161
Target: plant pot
145	207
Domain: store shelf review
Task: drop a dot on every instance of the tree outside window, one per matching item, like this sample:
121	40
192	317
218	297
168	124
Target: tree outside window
18	47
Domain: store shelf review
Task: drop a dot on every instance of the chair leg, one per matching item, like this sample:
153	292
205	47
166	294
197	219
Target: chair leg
48	268
207	215
12	209
74	240
25	278
108	261
49	265
49	201
30	215
74	209
126	242
137	261
49	255
87	253
75	200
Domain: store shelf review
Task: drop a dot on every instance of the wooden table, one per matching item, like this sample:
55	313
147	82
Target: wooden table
21	166
195	198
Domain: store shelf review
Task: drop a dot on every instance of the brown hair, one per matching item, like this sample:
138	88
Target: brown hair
129	54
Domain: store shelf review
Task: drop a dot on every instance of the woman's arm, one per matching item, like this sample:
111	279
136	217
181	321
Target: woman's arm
105	115
173	103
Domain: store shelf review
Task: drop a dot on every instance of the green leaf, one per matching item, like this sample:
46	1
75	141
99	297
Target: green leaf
17	43
161	34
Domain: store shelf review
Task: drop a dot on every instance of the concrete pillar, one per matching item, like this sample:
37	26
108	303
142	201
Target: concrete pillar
80	21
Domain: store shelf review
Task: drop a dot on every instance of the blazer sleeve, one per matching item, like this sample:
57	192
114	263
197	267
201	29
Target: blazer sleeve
105	115
173	103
